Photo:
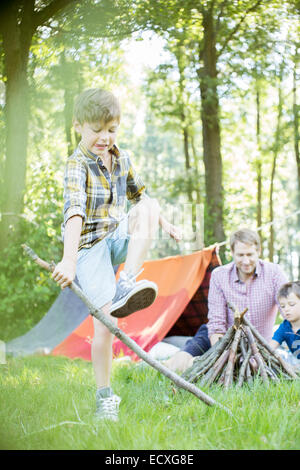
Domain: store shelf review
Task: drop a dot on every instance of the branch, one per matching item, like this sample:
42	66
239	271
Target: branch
98	313
232	358
42	16
238	25
95	35
256	354
220	15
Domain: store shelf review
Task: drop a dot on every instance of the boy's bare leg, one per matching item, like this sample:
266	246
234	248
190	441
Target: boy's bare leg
132	296
102	350
143	226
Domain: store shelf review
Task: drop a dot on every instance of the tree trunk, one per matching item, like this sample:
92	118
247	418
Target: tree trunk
274	162
213	212
258	162
196	166
296	140
68	102
180	58
179	54
18	22
16	42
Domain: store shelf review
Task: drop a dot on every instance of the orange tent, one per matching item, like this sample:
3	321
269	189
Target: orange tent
180	308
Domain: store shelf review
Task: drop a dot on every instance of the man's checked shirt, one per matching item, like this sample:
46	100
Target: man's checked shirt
259	296
96	195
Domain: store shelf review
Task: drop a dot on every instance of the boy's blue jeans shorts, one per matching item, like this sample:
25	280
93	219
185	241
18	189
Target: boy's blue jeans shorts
95	271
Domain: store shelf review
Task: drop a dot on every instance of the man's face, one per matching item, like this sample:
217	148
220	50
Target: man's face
98	137
245	257
290	307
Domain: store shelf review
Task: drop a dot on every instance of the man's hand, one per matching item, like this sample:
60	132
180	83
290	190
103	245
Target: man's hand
215	338
64	272
180	362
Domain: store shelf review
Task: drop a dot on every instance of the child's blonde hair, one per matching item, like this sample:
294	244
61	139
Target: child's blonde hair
96	105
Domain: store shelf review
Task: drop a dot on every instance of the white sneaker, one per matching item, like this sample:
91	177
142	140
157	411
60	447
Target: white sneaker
107	407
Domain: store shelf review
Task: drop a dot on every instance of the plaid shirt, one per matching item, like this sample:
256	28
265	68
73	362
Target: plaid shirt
259	296
98	196
195	313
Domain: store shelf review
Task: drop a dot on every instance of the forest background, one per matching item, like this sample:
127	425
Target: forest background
210	115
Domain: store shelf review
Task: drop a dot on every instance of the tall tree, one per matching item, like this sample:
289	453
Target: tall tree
213	25
20	19
171	98
296	108
276	149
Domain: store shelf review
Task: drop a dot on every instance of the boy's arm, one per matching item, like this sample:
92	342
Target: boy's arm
172	230
274	344
278	337
74	213
136	192
64	273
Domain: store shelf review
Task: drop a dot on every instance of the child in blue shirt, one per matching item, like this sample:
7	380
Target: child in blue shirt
289	329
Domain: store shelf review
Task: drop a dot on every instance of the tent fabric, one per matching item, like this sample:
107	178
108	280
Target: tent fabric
179	280
64	316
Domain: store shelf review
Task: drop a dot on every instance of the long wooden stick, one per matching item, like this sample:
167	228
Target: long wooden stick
256	354
232	358
98	313
243	368
246	354
216	368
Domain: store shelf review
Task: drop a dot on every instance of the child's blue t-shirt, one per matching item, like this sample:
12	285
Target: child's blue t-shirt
292	339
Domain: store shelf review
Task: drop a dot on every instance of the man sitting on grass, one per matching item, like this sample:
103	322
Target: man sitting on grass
246	282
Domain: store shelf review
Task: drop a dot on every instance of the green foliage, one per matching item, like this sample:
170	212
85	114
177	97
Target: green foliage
26	291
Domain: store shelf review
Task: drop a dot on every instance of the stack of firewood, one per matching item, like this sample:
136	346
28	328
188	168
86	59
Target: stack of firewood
241	355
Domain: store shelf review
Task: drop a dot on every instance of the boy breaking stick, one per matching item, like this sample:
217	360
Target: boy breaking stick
107	321
98	233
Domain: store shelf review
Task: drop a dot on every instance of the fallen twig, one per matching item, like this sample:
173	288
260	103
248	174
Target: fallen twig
53	426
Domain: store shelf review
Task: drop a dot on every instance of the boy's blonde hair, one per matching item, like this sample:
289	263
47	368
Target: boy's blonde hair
96	105
245	235
288	288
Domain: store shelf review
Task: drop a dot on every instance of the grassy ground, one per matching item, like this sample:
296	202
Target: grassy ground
49	403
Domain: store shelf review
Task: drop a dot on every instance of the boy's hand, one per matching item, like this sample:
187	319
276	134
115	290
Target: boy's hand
64	272
172	230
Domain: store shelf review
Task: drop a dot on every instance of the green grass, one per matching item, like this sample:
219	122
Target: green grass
49	403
